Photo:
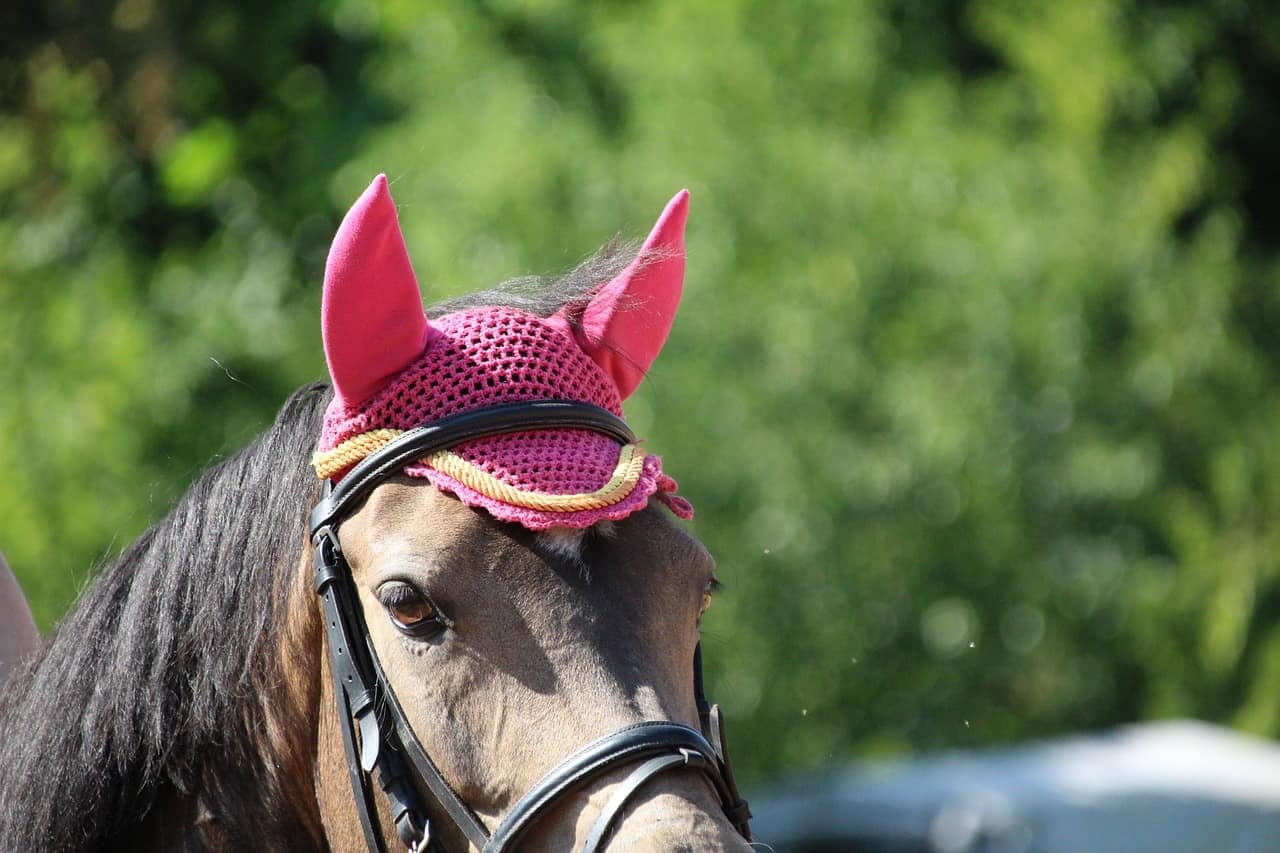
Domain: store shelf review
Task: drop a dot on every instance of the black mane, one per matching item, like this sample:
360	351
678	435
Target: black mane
166	657
545	295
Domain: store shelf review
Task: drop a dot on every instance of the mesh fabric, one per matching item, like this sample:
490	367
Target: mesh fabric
487	356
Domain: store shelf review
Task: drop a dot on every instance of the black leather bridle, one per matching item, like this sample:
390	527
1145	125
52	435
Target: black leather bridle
387	743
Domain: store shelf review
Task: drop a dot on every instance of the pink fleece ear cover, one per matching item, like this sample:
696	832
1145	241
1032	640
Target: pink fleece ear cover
371	317
374	326
626	323
392	369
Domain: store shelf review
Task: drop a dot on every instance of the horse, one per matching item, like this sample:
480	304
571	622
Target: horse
504	650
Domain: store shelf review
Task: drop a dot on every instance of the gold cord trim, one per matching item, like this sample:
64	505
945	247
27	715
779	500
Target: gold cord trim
625	475
330	462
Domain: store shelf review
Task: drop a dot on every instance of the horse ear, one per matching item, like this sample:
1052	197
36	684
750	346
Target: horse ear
627	321
371	317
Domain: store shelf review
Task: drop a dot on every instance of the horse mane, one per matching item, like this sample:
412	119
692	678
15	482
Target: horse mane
545	295
165	665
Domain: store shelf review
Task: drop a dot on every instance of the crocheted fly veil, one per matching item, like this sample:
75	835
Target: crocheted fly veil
393	369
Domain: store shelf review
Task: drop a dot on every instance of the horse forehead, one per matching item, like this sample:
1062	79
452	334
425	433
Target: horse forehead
400	502
410	515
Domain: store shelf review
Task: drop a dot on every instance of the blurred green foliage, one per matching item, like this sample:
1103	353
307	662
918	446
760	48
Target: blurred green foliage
974	381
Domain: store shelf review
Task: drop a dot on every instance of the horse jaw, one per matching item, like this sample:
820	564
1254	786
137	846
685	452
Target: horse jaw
540	660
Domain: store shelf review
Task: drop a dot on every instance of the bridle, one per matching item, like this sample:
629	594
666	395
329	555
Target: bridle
387	744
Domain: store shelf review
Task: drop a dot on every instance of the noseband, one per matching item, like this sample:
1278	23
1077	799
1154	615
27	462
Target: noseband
387	745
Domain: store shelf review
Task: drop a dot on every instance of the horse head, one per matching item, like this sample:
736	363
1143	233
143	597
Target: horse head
531	608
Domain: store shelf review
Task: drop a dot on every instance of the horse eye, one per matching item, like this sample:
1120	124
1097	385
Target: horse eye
409	610
707	592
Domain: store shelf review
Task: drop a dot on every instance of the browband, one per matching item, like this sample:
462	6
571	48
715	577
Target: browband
339	501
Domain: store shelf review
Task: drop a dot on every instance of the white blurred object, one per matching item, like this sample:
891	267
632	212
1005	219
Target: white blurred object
1173	787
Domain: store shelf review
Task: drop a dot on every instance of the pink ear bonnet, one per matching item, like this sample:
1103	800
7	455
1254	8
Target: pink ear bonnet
394	369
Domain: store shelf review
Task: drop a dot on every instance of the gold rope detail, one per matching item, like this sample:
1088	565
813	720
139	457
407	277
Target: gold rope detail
625	475
624	479
330	462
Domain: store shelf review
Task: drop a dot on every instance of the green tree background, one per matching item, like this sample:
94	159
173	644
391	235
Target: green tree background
974	381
